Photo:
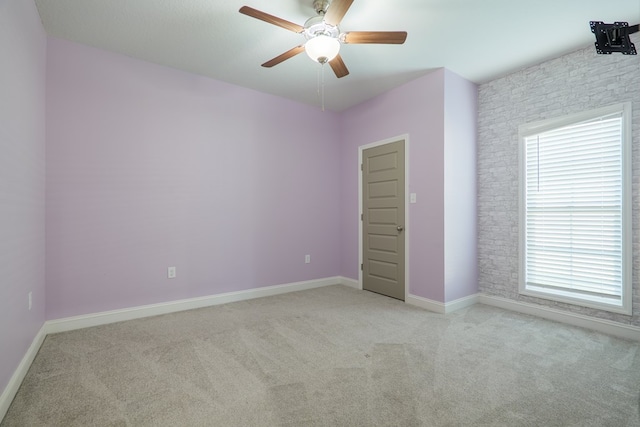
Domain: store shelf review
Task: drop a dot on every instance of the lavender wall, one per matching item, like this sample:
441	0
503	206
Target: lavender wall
150	167
416	108
460	217
22	171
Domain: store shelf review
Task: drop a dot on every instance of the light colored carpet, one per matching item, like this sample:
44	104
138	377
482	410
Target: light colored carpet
331	356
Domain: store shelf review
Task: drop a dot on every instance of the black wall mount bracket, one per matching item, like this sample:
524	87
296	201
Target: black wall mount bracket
614	37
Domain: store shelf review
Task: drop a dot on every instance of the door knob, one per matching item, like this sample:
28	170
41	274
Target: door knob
399	228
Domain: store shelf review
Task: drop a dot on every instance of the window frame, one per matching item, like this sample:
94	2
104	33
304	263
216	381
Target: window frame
534	128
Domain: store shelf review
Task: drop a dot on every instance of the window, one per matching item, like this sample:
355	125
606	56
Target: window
575	209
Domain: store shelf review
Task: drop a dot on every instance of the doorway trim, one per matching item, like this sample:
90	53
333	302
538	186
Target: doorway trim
405	138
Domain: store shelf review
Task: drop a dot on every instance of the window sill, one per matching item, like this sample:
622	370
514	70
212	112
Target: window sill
599	303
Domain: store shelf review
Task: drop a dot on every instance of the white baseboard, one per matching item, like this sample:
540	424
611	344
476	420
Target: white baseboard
461	303
600	325
16	380
106	317
442	307
352	283
427	304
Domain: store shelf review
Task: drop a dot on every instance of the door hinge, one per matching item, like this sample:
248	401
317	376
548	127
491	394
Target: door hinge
361	166
361	266
362	217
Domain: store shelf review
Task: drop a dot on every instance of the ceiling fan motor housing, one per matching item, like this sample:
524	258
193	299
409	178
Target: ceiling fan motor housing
317	27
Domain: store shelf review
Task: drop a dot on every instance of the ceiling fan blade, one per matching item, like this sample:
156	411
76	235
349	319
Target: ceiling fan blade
254	13
376	37
336	11
283	57
338	67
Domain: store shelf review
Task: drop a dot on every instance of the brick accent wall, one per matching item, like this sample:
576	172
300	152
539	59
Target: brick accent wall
576	82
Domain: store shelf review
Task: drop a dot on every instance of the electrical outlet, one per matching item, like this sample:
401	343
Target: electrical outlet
30	301
307	259
171	272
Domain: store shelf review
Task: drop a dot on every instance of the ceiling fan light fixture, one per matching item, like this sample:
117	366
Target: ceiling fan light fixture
322	48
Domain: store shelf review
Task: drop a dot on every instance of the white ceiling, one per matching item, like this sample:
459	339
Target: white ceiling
477	39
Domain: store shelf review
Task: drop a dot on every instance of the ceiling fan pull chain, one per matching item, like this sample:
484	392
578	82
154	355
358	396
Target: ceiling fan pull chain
320	89
323	86
318	86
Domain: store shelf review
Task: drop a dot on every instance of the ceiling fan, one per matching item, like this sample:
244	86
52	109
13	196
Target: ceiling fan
323	34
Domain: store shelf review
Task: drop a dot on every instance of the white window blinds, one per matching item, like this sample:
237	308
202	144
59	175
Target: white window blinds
573	210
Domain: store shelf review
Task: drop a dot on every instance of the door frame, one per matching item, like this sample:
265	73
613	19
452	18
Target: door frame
405	138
